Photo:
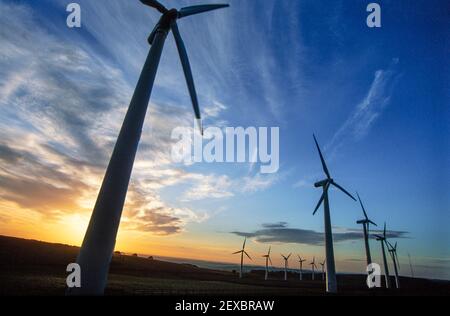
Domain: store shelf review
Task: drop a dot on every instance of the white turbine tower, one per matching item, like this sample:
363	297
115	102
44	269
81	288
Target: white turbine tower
382	240
323	270
98	245
366	222
393	252
242	252
300	261
286	259
331	283
313	267
268	259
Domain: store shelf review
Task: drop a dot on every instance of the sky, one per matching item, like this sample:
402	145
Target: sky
377	100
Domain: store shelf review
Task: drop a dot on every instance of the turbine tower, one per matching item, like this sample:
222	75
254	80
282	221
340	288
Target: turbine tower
100	238
323	270
268	259
331	283
313	266
366	222
286	265
300	261
410	265
393	252
382	239
242	252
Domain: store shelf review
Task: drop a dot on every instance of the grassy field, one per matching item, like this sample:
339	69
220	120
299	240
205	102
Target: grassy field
37	268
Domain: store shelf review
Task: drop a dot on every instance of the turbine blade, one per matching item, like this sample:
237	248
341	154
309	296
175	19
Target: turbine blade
384	230
362	206
343	190
247	255
324	165
319	203
374	224
155	4
196	9
187	73
269	250
289	256
270	260
245	241
235	253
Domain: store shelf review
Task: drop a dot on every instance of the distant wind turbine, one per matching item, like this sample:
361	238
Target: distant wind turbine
410	265
100	238
393	251
313	267
331	283
366	222
382	239
300	261
323	270
268	259
286	259
242	252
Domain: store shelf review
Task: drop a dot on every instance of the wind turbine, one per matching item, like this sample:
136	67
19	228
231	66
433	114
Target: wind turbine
267	264
313	266
100	238
393	251
382	239
331	283
286	265
242	252
300	260
323	270
366	222
410	265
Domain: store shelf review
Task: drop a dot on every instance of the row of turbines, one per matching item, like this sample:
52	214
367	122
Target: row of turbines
268	259
331	282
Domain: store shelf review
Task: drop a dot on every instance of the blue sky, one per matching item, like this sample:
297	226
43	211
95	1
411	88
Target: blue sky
377	100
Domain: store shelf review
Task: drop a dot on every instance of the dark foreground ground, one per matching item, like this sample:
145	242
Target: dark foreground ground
30	267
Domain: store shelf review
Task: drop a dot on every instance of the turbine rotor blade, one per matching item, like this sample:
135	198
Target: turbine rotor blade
324	165
187	73
245	241
343	190
384	230
374	224
247	255
235	253
319	203
270	260
196	9
362	206
155	4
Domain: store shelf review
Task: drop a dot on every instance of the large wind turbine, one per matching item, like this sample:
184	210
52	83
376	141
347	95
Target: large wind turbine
286	259
366	222
393	251
267	263
300	261
331	283
323	270
99	241
313	267
242	252
382	239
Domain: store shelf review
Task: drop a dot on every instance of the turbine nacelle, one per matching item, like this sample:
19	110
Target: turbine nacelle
323	183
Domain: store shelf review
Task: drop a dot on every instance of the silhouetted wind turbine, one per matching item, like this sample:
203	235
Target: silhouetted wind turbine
98	244
323	270
286	265
393	251
300	261
382	239
242	252
331	283
313	266
366	222
268	259
410	265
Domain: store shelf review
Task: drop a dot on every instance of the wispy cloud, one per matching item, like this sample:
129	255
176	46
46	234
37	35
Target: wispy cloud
369	110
